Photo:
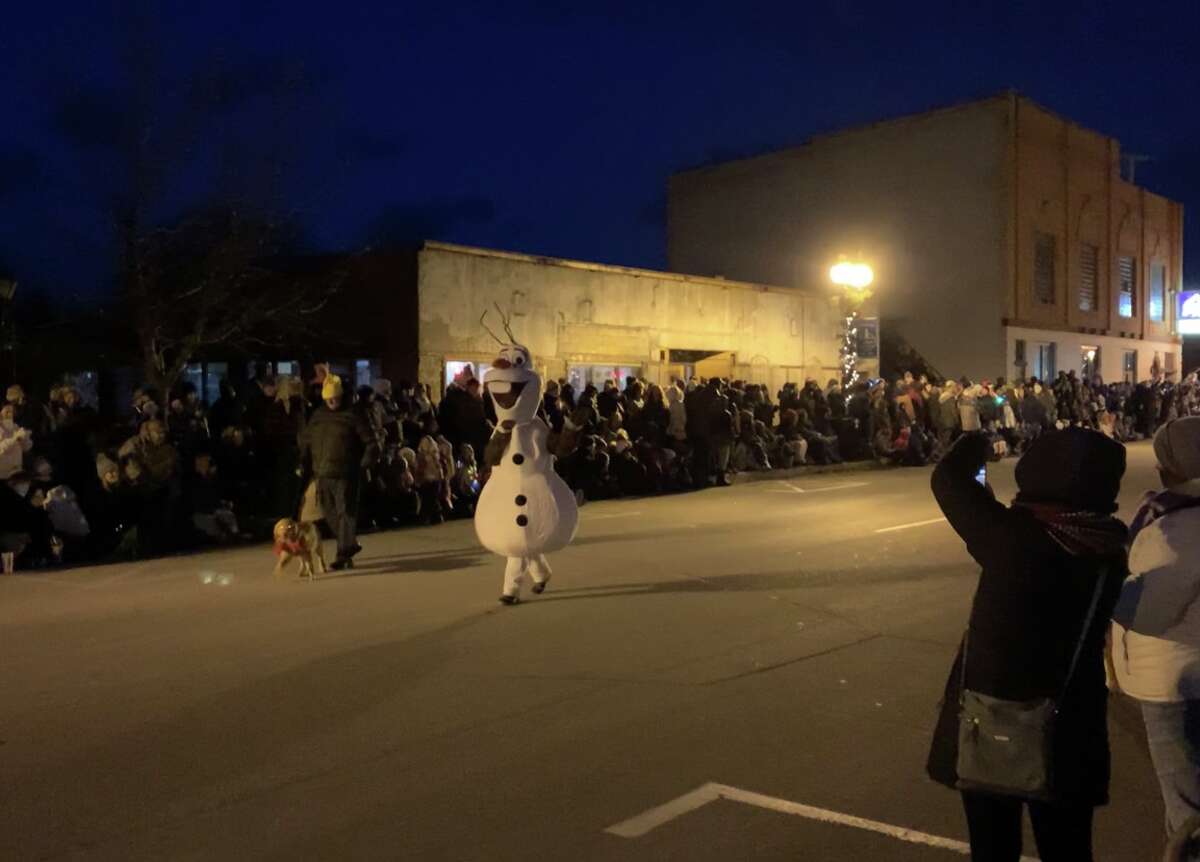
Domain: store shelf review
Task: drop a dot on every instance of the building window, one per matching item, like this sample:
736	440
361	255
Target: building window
1127	295
214	373
1158	292
1043	268
1129	366
579	376
1020	352
460	371
1043	362
1089	257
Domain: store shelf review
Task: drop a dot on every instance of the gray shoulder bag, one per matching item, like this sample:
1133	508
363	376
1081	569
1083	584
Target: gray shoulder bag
1006	747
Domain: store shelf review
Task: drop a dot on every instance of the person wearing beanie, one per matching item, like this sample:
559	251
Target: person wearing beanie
336	447
1052	560
1155	643
108	472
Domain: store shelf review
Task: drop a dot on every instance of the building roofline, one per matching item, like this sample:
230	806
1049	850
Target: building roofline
1006	94
636	272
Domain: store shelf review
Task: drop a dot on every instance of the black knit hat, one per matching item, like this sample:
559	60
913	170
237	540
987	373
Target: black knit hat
1073	467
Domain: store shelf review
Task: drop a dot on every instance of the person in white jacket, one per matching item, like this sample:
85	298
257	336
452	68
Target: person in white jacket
1155	638
15	441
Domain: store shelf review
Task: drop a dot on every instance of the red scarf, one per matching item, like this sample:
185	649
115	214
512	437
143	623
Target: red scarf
1080	533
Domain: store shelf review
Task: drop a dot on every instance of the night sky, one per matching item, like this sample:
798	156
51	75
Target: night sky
522	125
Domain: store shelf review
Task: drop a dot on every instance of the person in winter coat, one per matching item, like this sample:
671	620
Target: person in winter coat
336	447
968	409
15	442
678	422
947	418
279	450
1042	559
1155	643
1048	401
431	480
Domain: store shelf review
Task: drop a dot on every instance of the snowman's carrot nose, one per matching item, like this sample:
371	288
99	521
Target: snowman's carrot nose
501	362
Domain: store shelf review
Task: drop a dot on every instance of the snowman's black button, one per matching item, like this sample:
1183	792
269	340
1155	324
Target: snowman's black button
518	458
521	501
522	520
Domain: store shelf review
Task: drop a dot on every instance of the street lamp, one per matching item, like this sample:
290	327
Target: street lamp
8	340
854	278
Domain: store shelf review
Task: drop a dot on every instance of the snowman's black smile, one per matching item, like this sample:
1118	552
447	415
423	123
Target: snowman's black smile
508	400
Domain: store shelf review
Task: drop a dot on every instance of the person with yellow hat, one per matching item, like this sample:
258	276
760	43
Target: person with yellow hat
336	447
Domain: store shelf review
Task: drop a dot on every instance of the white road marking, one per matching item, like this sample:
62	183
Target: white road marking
910	526
635	827
796	489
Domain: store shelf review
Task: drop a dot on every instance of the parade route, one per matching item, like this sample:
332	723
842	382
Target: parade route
777	647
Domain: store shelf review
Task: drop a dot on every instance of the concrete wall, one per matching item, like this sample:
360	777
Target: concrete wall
923	199
571	313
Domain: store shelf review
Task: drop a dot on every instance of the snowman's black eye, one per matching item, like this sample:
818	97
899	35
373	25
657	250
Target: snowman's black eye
520	360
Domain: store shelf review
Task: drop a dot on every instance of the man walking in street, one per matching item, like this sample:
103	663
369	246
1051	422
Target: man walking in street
336	447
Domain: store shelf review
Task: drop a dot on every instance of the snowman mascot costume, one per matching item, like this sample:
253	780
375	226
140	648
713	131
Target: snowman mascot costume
525	509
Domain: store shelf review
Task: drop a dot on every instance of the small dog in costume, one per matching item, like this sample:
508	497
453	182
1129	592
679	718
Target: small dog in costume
299	540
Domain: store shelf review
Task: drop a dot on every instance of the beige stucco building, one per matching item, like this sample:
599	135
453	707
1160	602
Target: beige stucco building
1003	237
588	321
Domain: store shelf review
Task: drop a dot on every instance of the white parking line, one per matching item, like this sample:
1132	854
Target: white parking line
910	526
796	489
635	827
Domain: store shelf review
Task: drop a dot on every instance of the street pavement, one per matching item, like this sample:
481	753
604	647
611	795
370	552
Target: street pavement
785	638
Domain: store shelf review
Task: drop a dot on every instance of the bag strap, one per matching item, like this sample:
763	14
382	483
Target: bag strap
1087	624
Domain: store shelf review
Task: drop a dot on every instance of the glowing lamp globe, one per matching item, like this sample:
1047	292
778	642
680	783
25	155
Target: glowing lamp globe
847	274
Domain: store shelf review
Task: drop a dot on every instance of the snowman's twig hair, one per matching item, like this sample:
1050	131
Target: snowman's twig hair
506	319
488	329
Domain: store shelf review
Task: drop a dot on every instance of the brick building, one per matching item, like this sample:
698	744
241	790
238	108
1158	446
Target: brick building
1003	237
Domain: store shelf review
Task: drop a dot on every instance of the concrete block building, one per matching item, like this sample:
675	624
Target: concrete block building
1004	238
588	322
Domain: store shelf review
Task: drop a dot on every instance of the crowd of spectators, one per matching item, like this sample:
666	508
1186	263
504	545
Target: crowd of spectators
179	474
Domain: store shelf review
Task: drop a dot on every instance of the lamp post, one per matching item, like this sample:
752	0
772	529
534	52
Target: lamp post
854	279
8	335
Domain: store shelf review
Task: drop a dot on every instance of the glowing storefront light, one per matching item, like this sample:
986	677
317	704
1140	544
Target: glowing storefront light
1189	312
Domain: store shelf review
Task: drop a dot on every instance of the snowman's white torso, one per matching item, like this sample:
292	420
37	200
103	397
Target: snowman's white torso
526	509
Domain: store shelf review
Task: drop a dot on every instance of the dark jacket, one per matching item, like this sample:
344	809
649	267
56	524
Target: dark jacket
1028	610
337	444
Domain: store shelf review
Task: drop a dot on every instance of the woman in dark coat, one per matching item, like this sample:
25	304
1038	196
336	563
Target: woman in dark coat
1041	559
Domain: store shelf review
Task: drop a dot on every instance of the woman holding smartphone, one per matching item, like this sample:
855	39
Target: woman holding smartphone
1052	560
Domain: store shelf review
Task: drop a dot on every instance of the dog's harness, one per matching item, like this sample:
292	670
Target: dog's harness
293	548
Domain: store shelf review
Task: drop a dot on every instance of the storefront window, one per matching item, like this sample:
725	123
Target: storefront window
459	370
214	373
579	376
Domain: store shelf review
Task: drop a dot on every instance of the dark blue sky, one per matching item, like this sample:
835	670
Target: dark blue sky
525	125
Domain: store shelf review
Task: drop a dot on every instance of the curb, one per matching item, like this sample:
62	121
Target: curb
813	470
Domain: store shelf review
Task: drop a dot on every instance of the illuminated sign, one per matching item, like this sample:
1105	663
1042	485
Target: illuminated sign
1189	312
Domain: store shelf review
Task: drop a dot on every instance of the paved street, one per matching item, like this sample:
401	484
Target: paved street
785	638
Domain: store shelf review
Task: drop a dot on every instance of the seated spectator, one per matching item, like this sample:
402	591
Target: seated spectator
431	478
212	512
154	454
